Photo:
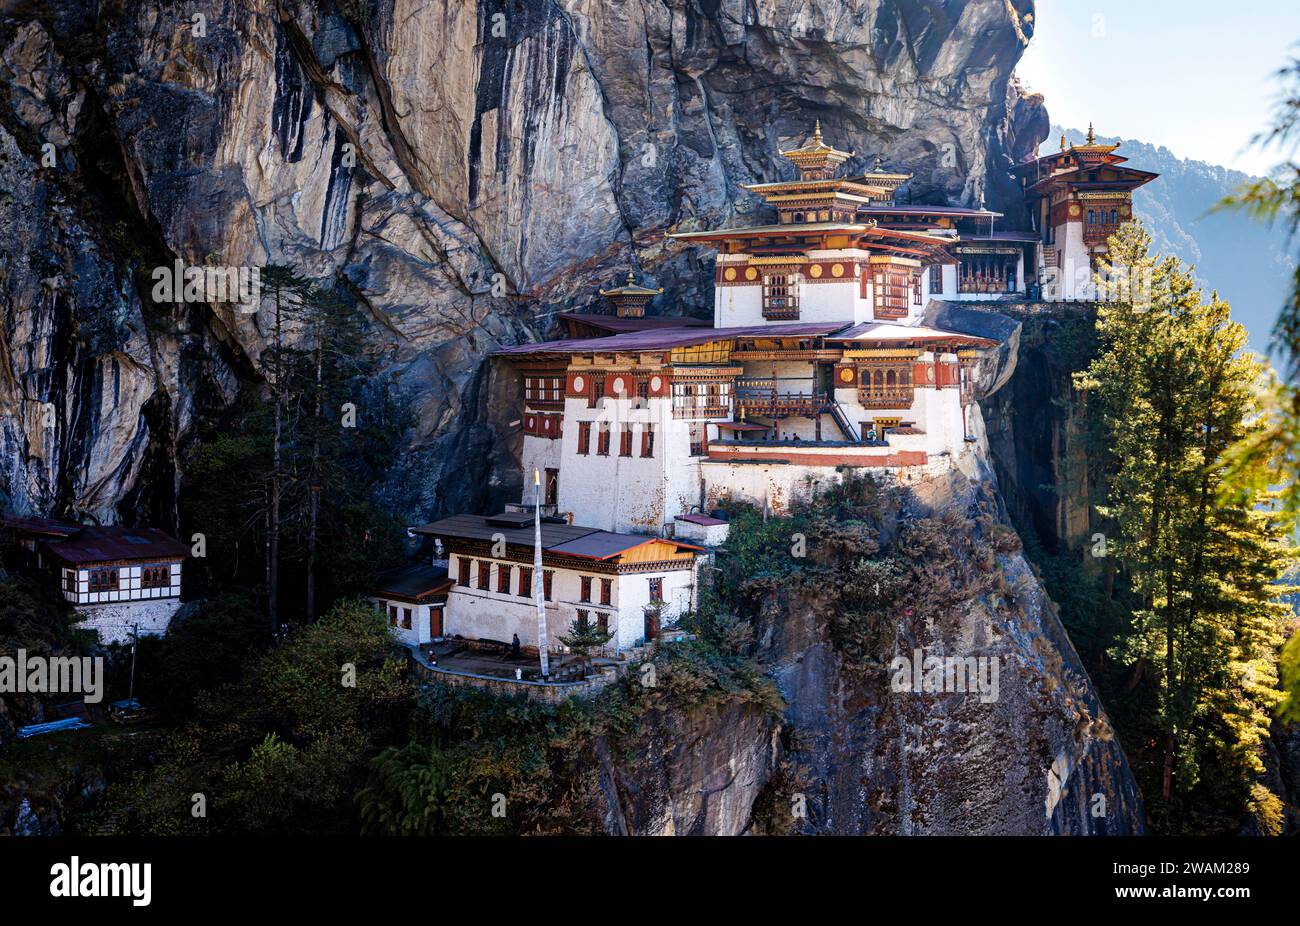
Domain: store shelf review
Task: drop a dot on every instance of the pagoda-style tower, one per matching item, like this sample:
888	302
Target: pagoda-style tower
821	260
629	300
882	179
818	195
1078	196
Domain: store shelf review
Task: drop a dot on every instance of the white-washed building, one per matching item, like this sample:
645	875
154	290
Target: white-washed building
413	599
817	359
121	580
630	585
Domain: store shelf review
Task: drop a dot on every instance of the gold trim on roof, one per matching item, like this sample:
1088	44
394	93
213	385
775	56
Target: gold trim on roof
630	288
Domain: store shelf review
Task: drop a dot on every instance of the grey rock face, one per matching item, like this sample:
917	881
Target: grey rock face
464	170
1040	758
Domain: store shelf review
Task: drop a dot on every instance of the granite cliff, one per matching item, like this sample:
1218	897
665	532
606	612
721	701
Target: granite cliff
463	170
460	169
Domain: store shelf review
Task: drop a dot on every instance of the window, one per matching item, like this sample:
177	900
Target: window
886	386
548	581
70	581
892	297
606	591
602	622
602	441
916	286
656	590
463	579
552	487
392	615
625	441
597	391
936	279
584	588
525	582
643	389
583	617
484	575
155	577
103	580
648	441
503	578
780	295
406	618
584	438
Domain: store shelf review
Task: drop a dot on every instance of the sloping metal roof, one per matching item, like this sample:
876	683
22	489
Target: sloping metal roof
701	519
912	209
668	338
412	583
478	527
49	526
607	545
109	544
883	331
621	325
564	539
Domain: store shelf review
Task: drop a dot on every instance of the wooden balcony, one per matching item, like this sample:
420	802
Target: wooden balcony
760	397
886	396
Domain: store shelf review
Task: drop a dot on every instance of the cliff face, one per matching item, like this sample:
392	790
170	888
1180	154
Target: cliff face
461	169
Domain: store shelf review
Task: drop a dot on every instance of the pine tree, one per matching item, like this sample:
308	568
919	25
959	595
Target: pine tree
1176	390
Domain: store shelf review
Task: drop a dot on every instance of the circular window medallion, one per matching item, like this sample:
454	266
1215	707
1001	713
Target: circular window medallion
846	375
751	273
815	271
837	270
729	273
1076	209
578	384
618	385
655	383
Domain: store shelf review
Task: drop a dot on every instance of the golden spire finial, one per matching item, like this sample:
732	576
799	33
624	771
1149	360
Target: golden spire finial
630	278
1062	141
817	132
876	168
1092	139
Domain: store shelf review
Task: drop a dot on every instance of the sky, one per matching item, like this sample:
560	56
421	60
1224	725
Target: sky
1193	75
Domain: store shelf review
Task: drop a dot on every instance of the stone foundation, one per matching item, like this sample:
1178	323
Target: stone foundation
115	622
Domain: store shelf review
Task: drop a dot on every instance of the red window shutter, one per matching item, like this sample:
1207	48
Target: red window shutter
464	572
584	437
606	590
525	581
548	576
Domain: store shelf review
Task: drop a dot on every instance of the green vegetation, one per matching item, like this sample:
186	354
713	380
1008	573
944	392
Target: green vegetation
1183	638
482	764
280	749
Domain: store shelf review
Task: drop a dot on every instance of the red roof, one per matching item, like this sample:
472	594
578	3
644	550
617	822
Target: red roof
963	211
48	526
668	338
110	544
701	519
617	325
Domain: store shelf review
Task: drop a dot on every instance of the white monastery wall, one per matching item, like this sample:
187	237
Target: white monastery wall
115	622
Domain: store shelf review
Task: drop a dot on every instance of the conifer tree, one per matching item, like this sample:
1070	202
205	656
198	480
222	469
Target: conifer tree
1176	390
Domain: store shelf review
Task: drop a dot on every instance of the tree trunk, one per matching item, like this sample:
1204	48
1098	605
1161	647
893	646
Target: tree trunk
273	567
314	508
